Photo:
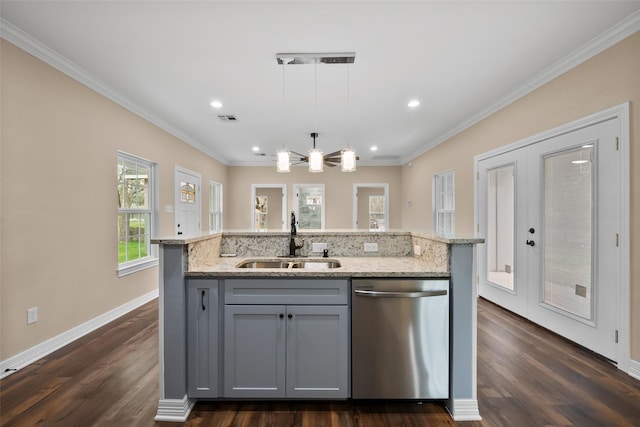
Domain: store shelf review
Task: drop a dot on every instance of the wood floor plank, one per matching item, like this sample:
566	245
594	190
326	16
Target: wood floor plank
527	376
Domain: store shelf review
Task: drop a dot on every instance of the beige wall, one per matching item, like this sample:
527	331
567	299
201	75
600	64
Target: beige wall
58	200
606	80
338	192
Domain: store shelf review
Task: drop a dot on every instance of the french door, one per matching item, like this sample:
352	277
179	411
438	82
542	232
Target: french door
550	216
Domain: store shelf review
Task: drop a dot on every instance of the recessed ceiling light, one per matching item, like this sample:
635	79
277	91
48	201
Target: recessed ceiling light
413	103
374	148
216	104
256	149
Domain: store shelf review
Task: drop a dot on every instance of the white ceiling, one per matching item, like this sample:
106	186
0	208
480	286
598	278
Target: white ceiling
462	60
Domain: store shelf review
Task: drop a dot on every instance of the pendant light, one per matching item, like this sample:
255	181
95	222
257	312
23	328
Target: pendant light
316	156
283	157
283	161
348	155
348	160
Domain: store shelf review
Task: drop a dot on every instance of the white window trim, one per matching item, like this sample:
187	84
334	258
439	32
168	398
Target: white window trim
434	199
126	268
221	208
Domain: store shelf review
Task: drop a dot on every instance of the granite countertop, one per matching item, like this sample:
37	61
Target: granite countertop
350	267
454	240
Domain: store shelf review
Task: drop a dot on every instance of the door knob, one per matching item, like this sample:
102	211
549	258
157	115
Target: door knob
531	243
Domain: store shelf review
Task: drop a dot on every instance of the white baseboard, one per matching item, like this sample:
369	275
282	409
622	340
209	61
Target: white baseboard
634	369
175	410
465	410
20	360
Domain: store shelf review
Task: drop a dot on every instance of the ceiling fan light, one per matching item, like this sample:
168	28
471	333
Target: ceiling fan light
348	160
316	161
283	161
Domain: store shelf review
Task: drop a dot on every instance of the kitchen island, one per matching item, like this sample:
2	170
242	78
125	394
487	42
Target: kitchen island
202	271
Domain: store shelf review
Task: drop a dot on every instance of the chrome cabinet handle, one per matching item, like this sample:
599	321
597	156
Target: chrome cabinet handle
418	294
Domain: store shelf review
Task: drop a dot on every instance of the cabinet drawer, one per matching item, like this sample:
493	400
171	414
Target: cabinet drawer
286	291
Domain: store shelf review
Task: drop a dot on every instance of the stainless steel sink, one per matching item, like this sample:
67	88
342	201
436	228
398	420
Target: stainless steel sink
263	264
306	264
316	265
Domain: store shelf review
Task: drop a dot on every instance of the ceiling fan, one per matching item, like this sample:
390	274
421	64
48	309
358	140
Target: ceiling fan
331	159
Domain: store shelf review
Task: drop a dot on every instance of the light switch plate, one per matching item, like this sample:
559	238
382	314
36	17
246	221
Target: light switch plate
318	247
371	247
32	315
417	250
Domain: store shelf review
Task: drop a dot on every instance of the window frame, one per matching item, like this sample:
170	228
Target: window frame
215	199
151	260
438	209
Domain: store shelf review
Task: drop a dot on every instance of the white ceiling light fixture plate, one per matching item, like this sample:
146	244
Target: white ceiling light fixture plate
316	58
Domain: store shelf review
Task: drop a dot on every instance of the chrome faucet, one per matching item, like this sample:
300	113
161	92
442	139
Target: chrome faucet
292	243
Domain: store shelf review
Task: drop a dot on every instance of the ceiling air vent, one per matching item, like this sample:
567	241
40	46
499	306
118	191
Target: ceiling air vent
227	118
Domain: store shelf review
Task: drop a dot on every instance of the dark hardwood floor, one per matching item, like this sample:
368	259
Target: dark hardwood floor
526	377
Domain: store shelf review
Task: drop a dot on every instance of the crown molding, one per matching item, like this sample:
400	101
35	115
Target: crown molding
615	34
24	41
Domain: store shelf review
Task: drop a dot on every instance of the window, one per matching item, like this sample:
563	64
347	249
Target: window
135	214
444	203
215	206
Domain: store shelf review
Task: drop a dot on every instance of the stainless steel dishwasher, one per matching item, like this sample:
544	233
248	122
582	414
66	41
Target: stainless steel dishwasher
400	339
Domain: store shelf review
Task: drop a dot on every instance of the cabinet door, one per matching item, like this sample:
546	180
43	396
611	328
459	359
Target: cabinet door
318	351
254	351
202	338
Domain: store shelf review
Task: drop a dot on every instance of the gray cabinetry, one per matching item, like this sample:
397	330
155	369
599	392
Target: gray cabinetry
202	338
254	351
318	351
299	349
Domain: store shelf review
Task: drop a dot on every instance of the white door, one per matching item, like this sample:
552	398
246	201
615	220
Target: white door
550	213
187	202
503	218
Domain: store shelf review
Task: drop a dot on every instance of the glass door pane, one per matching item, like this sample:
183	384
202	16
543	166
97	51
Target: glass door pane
500	226
568	237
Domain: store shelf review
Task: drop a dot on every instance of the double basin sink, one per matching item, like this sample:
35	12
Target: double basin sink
306	264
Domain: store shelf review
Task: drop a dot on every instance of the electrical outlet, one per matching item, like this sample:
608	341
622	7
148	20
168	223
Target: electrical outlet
32	315
371	247
318	247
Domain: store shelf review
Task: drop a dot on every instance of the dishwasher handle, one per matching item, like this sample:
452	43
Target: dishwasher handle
387	294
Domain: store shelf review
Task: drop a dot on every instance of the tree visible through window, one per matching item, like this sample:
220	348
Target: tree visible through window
134	209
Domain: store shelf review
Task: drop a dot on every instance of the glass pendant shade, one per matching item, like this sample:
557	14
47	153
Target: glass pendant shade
316	161
283	162
348	160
